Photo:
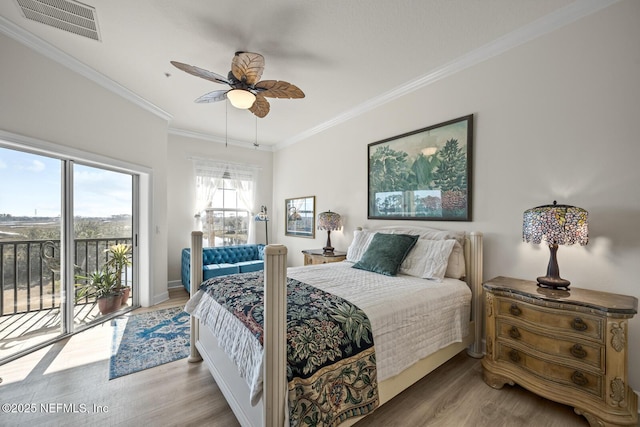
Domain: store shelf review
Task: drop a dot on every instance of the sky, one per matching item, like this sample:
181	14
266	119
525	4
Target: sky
30	185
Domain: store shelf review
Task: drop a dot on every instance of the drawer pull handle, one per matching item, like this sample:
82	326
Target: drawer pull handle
514	332
578	378
515	310
578	352
578	324
514	356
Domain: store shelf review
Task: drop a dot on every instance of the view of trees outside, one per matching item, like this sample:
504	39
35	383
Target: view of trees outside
223	228
421	175
226	222
29	251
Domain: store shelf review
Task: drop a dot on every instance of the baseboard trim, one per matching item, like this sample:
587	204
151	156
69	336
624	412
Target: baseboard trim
161	298
174	284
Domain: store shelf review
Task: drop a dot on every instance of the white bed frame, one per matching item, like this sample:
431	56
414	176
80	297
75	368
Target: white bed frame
270	412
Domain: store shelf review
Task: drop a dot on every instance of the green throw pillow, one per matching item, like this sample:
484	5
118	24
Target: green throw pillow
385	253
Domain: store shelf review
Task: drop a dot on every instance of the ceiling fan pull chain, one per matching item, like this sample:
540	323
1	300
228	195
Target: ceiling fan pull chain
226	124
255	144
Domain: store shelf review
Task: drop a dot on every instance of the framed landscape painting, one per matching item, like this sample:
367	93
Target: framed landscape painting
424	174
300	217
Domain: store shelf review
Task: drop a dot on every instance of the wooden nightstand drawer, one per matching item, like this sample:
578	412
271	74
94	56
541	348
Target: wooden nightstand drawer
575	351
567	376
562	321
317	256
568	346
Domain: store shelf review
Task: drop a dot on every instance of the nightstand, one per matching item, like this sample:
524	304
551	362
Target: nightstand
567	346
317	256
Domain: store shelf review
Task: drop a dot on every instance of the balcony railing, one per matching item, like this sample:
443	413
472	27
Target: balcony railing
30	271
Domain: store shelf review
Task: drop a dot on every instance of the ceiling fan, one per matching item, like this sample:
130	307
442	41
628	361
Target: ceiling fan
247	91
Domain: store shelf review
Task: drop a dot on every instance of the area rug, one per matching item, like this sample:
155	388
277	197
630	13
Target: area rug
142	341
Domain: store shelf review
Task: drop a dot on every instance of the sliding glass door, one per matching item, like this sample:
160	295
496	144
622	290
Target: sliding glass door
66	234
102	242
30	239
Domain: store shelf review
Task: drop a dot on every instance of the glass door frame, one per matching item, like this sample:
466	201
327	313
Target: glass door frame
68	244
142	178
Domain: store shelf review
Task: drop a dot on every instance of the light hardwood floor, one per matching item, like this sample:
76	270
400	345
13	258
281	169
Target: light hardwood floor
75	372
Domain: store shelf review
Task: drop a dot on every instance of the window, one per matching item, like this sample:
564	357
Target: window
225	222
225	200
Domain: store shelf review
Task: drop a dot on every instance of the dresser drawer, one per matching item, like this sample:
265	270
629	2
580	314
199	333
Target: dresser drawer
575	351
573	377
578	324
568	346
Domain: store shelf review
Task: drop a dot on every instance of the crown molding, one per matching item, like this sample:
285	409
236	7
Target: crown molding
48	50
538	28
218	139
531	31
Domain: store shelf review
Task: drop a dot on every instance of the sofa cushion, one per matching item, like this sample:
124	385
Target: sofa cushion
223	257
247	266
214	270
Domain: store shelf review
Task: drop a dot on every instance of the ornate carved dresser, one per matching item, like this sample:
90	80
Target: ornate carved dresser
567	346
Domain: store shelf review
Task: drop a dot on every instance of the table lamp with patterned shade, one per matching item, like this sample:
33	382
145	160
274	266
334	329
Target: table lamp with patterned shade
263	217
329	221
556	225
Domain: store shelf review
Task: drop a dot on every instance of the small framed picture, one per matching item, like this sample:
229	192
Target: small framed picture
300	217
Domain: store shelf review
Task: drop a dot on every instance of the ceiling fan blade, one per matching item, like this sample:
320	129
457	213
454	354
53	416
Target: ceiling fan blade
200	72
247	67
260	107
279	89
215	96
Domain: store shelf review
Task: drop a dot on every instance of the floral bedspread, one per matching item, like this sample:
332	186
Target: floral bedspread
331	364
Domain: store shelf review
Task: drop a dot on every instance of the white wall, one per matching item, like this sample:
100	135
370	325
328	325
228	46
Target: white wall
181	189
555	120
41	99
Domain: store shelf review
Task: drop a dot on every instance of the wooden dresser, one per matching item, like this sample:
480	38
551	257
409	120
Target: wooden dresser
317	256
567	346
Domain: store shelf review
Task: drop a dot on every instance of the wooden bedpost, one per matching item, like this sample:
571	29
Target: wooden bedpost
474	279
195	280
274	389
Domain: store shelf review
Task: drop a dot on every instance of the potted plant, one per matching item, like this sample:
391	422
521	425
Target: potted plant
102	286
119	257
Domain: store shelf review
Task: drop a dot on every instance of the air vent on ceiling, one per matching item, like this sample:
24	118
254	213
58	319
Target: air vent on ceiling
67	15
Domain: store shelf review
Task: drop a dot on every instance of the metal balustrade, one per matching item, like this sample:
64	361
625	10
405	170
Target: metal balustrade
30	271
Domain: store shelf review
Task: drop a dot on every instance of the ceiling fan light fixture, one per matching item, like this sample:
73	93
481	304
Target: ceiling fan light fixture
241	98
247	91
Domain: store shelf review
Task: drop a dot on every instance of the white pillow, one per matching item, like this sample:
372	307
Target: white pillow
428	259
437	259
414	263
359	245
425	233
455	266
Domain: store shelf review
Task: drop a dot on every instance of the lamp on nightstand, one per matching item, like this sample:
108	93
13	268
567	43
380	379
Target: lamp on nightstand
329	221
556	225
263	217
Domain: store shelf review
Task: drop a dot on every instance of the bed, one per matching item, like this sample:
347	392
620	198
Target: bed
250	365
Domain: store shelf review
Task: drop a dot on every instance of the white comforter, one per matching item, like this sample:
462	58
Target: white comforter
410	317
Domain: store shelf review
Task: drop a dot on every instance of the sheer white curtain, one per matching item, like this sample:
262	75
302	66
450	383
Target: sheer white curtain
209	179
245	179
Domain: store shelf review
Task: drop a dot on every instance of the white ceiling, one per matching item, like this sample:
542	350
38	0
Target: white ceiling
346	55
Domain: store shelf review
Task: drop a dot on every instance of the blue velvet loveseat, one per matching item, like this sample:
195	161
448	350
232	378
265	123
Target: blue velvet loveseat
223	260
